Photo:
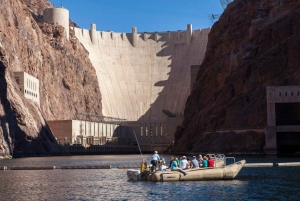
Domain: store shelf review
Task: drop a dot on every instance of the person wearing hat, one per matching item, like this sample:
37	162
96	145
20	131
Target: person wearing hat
184	164
154	159
194	162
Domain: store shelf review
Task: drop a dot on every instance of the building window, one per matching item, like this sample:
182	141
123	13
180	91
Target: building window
17	80
141	130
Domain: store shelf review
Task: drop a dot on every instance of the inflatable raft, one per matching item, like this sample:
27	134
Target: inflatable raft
197	174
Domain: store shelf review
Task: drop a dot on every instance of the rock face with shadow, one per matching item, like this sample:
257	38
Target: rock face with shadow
253	45
67	80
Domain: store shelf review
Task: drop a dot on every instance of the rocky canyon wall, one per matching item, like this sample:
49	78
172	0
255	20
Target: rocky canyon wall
253	45
68	82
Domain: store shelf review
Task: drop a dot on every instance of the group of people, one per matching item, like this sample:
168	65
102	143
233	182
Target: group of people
184	163
187	163
206	161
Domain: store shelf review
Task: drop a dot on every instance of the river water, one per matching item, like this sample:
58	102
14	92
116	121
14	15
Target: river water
260	183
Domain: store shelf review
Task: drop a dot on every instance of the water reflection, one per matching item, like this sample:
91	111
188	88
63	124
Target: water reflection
270	183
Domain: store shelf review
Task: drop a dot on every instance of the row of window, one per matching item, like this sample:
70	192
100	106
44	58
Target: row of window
99	129
31	84
154	131
30	93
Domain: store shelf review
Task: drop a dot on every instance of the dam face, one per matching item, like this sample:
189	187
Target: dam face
142	74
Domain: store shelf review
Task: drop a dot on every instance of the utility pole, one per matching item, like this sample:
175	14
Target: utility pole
224	3
215	17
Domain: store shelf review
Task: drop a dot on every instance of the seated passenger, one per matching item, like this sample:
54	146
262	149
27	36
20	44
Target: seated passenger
189	162
204	162
200	160
177	161
174	166
184	164
211	162
194	162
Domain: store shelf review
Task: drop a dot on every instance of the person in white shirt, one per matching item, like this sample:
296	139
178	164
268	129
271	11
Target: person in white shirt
184	164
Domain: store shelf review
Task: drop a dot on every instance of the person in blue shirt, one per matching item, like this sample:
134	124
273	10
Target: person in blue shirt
194	162
154	159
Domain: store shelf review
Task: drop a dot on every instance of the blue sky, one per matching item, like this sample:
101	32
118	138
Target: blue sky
147	16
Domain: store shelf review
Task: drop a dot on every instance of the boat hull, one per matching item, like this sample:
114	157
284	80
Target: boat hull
199	174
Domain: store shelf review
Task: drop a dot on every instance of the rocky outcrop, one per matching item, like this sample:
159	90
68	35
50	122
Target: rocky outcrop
253	45
68	83
38	6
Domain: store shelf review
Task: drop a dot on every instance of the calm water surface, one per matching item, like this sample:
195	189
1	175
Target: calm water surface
269	183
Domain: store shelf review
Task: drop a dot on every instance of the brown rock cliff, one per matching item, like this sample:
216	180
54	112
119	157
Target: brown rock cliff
68	83
253	45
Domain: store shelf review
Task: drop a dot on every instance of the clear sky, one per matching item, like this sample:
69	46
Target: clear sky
147	16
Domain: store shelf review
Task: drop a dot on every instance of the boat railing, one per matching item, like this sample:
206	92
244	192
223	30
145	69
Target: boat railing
229	158
220	157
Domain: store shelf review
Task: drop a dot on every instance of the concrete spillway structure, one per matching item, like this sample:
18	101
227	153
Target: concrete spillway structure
141	74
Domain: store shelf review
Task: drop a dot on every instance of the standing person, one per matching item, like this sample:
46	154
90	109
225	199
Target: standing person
154	159
174	167
211	162
200	160
194	162
184	164
204	162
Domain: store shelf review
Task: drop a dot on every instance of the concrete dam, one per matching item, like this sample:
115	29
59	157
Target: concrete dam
141	75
